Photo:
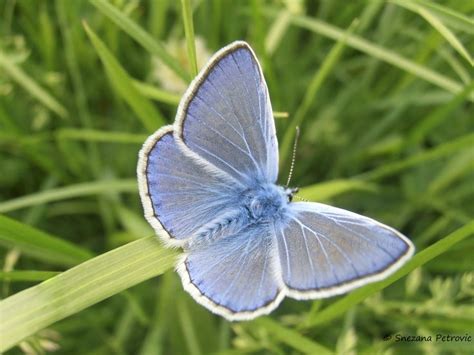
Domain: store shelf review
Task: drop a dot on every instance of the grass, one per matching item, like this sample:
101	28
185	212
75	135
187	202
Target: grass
382	92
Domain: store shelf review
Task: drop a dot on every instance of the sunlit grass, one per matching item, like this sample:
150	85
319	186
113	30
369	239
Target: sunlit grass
385	111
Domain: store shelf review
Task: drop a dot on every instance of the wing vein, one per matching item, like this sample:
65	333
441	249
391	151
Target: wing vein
258	119
309	256
358	234
220	159
182	178
288	269
247	153
240	134
330	241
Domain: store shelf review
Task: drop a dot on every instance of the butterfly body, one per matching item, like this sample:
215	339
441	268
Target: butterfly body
208	185
266	202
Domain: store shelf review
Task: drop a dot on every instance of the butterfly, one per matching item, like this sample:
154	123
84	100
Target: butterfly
208	184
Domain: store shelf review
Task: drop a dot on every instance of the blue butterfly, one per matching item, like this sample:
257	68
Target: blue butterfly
208	185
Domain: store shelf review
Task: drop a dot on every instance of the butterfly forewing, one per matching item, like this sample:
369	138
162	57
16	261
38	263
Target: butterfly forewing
180	194
226	117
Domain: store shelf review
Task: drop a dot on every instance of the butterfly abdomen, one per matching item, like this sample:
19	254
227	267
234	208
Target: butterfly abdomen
222	225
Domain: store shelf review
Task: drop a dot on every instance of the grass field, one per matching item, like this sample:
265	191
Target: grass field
383	93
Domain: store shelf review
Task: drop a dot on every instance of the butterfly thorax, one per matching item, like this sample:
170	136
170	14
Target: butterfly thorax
262	204
265	202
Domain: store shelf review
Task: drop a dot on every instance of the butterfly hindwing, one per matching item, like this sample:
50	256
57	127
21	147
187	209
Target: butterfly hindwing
235	275
324	251
226	117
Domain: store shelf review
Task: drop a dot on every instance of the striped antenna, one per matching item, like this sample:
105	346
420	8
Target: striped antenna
293	156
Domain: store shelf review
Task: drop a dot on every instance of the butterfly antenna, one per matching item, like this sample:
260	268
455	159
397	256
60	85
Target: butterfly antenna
301	198
293	156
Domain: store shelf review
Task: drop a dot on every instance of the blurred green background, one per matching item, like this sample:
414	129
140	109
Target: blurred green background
382	92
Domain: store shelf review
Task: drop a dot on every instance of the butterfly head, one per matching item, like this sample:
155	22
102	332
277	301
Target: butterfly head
267	201
290	192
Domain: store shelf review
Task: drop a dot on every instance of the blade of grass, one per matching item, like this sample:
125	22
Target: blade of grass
447	34
378	52
70	49
318	79
121	81
71	191
438	25
276	32
70	292
464	142
326	190
35	90
463	73
27	276
157	94
189	33
140	35
185	320
154	343
92	135
458	165
124	324
417	134
158	13
454	18
40	245
291	337
339	307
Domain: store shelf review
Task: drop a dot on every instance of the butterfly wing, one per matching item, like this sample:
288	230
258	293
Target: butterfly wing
180	193
226	117
235	275
325	251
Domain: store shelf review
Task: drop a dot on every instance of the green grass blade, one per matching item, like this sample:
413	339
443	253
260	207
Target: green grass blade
318	79
447	34
458	165
93	135
37	307
454	18
324	191
291	337
189	33
40	245
378	52
157	94
189	331
80	96
277	30
140	35
443	112
71	191
438	25
35	90
442	150
145	110
340	307
27	276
